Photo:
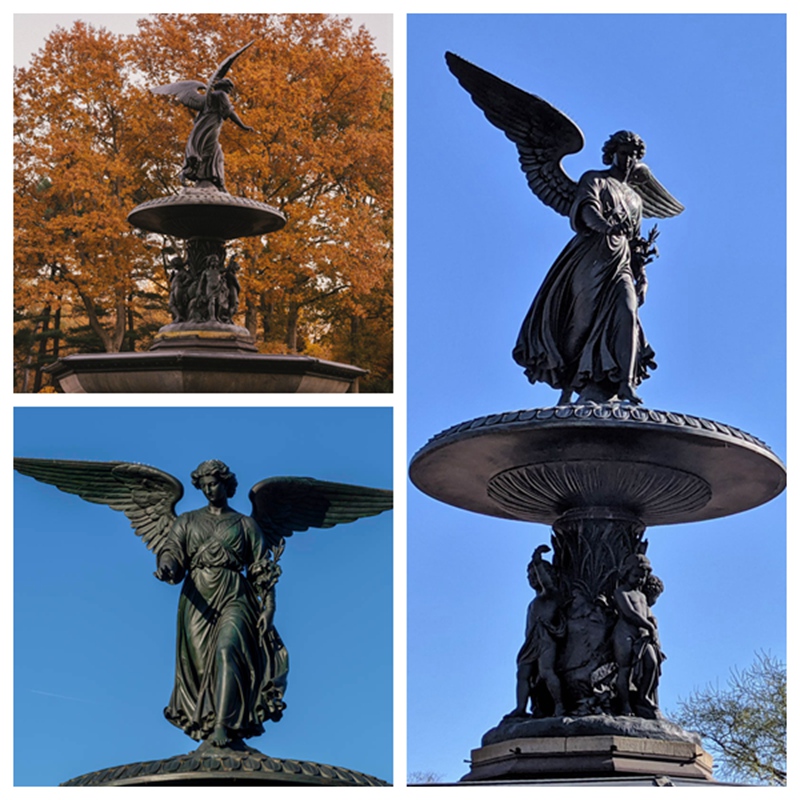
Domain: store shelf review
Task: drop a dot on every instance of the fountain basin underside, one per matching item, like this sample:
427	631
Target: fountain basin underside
539	464
199	369
206	213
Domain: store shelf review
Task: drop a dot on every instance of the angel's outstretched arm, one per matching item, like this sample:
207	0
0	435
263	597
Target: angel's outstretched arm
234	117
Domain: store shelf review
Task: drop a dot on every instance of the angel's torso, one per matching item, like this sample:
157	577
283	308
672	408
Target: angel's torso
228	540
613	199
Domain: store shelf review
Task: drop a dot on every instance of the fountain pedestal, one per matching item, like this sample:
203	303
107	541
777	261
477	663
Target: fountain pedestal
599	475
202	350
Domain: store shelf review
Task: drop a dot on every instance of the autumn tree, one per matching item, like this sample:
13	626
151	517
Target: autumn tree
77	172
743	724
319	97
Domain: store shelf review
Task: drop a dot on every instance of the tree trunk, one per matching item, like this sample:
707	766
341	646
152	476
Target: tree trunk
291	327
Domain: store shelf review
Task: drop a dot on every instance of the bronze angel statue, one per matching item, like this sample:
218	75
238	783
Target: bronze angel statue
582	333
231	665
204	163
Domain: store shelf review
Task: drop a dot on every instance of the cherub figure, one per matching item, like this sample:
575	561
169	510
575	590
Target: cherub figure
636	646
582	333
204	163
181	280
212	291
233	287
537	657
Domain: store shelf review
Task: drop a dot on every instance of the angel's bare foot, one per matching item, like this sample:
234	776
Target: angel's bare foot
566	397
220	736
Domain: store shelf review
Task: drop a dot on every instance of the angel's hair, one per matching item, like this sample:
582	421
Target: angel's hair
219	470
224	84
620	138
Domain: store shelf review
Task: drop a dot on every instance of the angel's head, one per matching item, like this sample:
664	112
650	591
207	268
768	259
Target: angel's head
223	85
215	469
623	148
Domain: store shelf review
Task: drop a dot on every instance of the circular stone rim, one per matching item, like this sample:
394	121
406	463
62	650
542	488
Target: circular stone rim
457	465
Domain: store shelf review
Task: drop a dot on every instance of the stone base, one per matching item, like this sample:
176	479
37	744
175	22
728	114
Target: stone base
237	765
208	335
203	369
592	726
587	757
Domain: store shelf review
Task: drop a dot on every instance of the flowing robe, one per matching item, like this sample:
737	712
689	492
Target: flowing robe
204	159
583	326
226	671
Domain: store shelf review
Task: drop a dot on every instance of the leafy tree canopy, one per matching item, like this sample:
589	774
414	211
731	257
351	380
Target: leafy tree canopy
743	724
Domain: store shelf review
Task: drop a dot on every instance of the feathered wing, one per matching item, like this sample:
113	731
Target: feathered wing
222	69
656	200
284	505
543	134
188	92
146	495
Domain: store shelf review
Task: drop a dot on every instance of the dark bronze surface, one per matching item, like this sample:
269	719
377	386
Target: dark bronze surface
231	665
662	466
583	333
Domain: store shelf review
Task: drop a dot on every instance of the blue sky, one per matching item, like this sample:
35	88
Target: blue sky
94	630
707	94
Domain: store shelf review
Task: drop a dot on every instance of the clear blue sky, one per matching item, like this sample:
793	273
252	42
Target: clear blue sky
95	631
707	94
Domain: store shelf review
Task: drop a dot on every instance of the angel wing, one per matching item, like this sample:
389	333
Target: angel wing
284	505
656	200
146	495
188	92
543	134
222	69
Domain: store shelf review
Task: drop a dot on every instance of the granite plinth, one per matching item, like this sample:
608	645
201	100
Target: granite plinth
588	756
203	369
592	725
208	214
537	465
237	765
208	335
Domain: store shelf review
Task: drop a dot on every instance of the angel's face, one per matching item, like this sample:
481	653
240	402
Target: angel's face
626	158
214	490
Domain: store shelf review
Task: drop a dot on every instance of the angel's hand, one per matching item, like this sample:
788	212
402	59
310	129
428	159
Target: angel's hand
168	570
164	573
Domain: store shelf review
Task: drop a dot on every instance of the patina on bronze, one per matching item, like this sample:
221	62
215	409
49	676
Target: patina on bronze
582	333
231	665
